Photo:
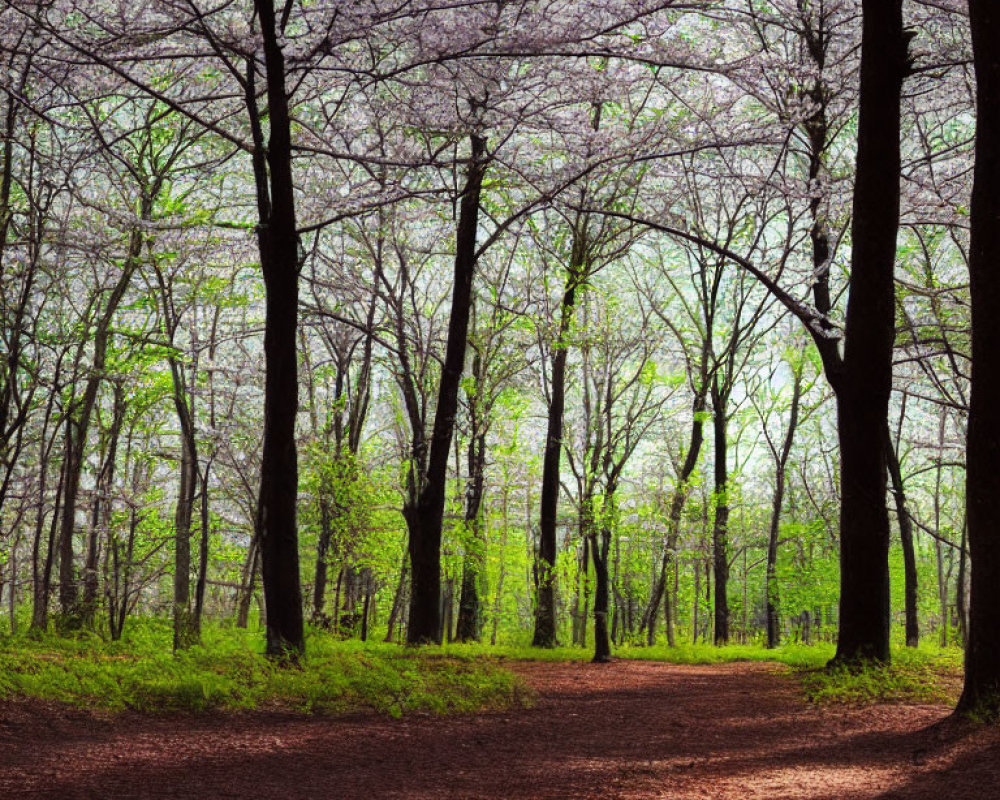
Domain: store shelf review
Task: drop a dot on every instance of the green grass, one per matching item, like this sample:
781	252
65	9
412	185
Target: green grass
228	672
922	675
799	656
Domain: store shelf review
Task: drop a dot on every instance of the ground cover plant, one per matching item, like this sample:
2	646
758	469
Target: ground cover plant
228	672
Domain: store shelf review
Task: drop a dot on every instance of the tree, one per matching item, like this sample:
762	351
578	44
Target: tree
863	380
424	518
981	692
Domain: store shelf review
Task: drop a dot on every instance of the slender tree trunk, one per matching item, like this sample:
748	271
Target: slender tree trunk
498	601
720	523
185	628
101	513
41	571
470	615
202	584
669	606
674	518
906	540
319	617
777	503
248	583
865	379
424	519
545	607
78	429
398	598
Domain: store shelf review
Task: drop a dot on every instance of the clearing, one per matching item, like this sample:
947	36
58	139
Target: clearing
630	729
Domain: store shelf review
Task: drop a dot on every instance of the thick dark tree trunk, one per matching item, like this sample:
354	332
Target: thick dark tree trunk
865	379
981	694
280	263
906	540
545	607
720	524
424	518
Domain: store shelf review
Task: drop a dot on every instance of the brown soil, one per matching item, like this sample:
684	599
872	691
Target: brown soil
622	730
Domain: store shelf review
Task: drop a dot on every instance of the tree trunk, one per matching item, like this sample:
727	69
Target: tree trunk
981	693
100	518
248	583
674	519
42	571
78	429
202	584
424	518
185	629
470	615
602	641
545	608
906	540
278	242
319	616
720	523
398	599
864	382
777	502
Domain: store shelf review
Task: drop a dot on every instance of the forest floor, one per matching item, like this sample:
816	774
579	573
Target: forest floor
629	729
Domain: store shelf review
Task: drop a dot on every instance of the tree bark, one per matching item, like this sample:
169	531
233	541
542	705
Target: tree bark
906	540
545	606
278	242
470	615
981	692
599	552
185	628
864	381
78	428
720	523
674	519
424	518
777	503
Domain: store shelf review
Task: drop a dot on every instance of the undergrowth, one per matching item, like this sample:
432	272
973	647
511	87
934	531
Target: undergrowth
922	675
228	672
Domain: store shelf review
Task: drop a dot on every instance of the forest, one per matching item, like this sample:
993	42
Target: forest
600	325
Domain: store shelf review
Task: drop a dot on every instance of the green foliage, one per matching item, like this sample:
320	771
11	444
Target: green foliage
229	672
923	675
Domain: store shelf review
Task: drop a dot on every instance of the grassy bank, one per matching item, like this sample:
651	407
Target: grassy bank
229	672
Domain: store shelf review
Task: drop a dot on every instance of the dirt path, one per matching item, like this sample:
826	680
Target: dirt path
625	730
